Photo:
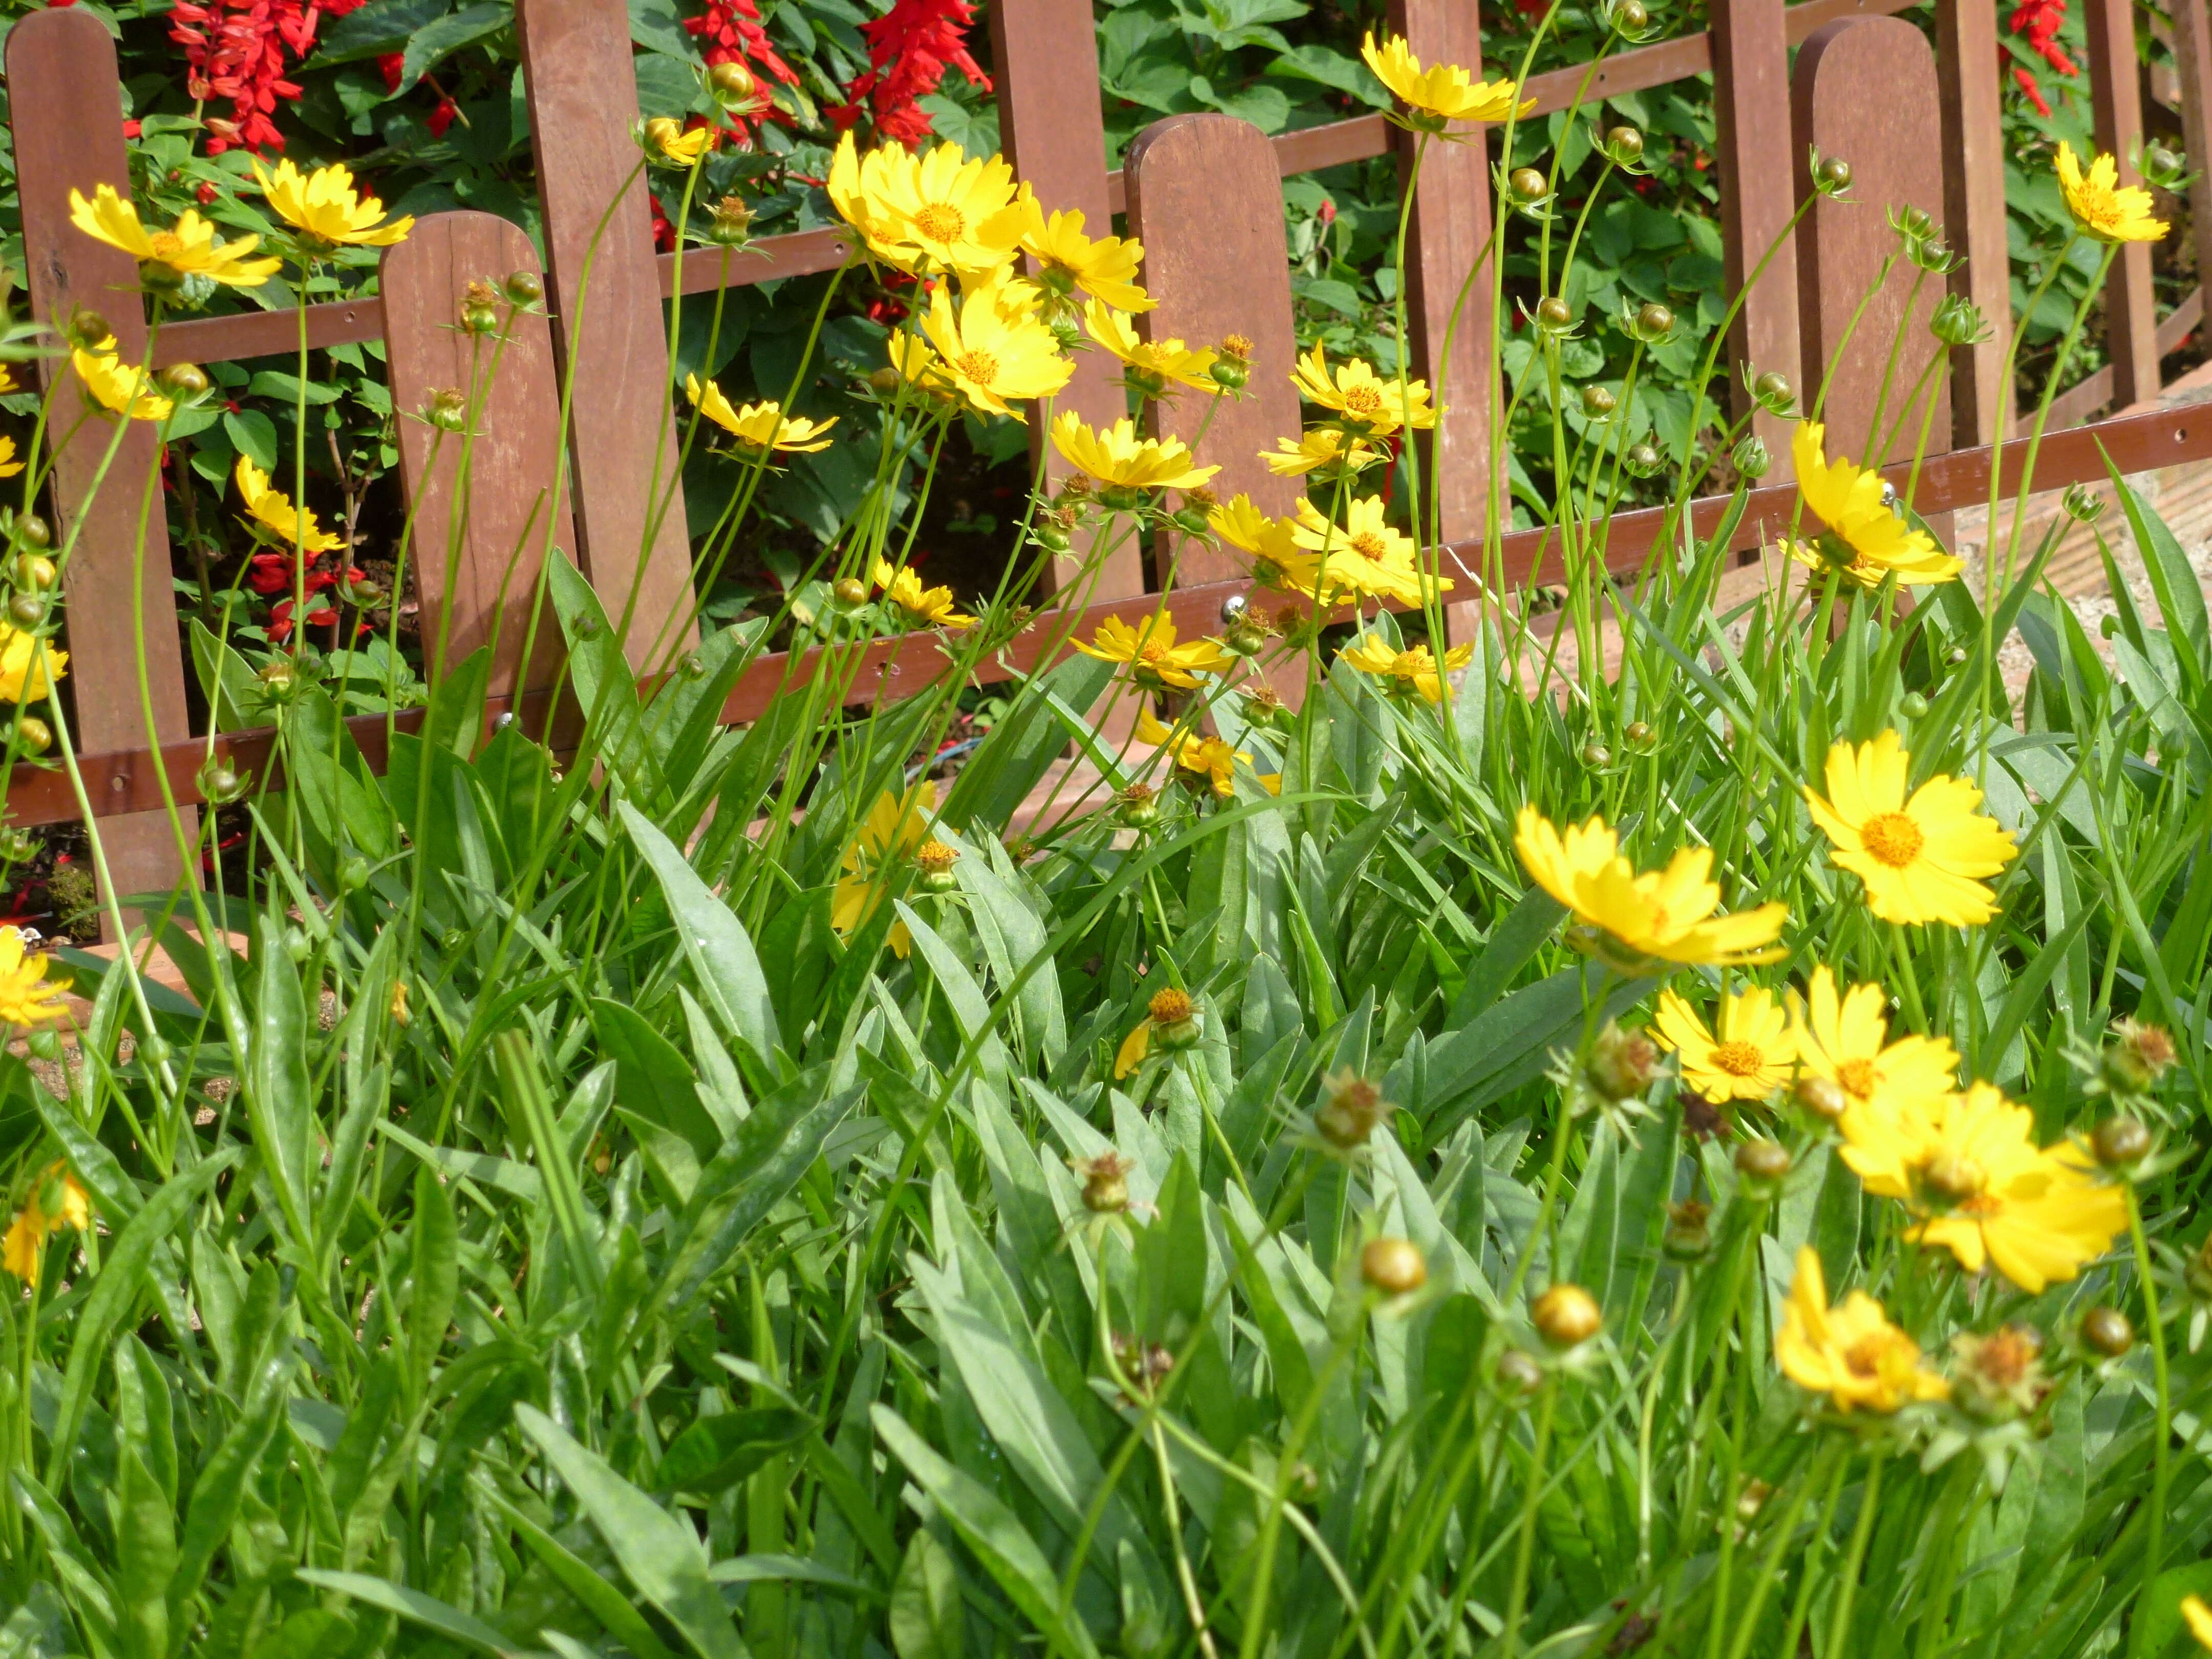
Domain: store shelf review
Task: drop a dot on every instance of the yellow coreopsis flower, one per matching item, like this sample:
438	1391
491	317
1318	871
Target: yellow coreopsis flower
1410	671
926	607
324	205
1323	449
1365	554
1659	915
1209	756
9	466
1363	398
272	510
1068	260
895	828
27	997
35	1223
1851	1352
2198	1618
1747	1056
1172	1013
666	141
1845	1038
28	668
2101	206
1155	660
1153	366
995	355
190	250
1968	1165
1442	93
1278	560
1868	538
1116	456
937	212
1920	859
761	428
120	388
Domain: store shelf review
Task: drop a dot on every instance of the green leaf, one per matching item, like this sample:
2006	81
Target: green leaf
719	1451
659	1554
651	1077
145	1557
432	44
991	1531
435	1267
427	1611
2173	582
721	953
925	1617
381	27
277	1101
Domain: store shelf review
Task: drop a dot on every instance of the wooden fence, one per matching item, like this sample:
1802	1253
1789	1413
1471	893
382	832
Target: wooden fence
1203	193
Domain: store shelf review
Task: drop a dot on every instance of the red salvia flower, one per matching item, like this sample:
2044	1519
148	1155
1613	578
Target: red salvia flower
235	51
2038	22
911	48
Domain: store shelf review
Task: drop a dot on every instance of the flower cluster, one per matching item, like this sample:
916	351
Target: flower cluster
911	47
236	50
2038	22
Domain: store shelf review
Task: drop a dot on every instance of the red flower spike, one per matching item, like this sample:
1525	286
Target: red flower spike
910	49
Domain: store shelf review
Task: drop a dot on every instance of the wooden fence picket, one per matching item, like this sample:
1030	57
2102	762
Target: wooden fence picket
67	111
2116	96
1866	88
1967	67
495	552
634	543
1217	273
1751	104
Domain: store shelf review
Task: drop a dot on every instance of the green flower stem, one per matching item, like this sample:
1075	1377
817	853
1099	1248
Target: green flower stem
1516	1598
2161	1471
1839	1623
1830	1457
1806	1577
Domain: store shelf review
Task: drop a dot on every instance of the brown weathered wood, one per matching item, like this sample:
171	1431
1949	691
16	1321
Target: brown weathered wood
2192	63
2116	96
1449	231
628	496
1215	274
1057	145
67	112
486	567
1751	92
268	333
1865	89
1967	65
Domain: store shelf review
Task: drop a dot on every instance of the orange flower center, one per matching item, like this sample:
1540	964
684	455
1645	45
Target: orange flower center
1368	545
167	244
1364	400
1864	1357
1739	1058
980	366
939	223
1857	1077
1152	651
1170	1007
1892	838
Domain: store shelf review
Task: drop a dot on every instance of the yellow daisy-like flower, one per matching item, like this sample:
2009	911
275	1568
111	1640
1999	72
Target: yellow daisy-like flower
1411	671
937	212
35	1223
1156	661
1152	365
1851	1352
1969	1166
2101	206
1361	398
9	466
926	607
1868	538
1278	560
272	510
8	379
761	428
1116	456
1845	1038
1323	449
119	387
325	206
1209	756
1171	1008
666	141
27	997
1442	93
1068	261
1663	916
190	250
895	828
1746	1057
2198	1618
1365	554
1921	858
993	354
28	669
1862	571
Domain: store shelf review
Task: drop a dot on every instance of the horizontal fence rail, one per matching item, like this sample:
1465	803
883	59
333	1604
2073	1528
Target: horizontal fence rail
126	781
